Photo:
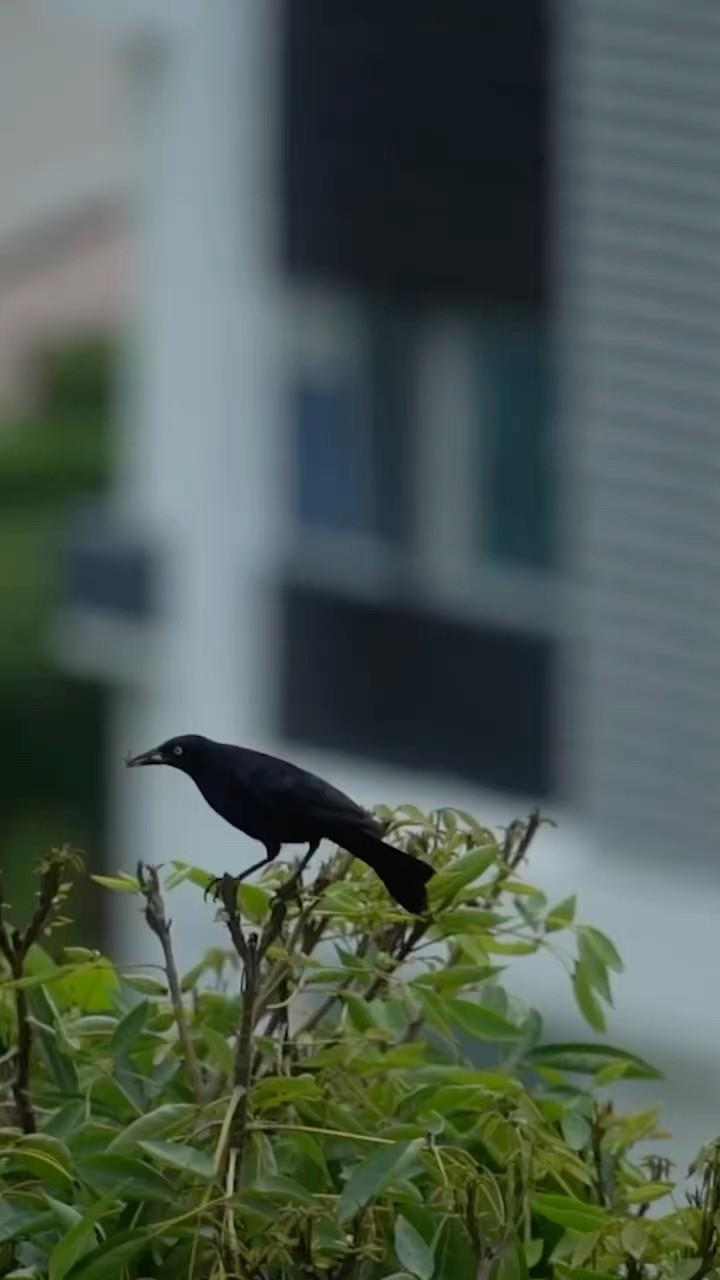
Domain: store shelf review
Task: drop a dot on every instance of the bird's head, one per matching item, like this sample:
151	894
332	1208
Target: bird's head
183	752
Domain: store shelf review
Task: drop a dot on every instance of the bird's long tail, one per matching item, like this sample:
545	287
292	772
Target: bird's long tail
404	877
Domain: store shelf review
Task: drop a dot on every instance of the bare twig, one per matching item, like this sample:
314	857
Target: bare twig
244	1052
249	952
160	925
406	945
601	1114
304	938
252	952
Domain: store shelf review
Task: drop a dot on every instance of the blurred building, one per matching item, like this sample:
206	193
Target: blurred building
418	475
65	157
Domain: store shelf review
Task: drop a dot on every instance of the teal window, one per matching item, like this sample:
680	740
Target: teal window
515	460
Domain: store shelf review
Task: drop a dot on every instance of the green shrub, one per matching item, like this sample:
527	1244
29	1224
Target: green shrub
341	1091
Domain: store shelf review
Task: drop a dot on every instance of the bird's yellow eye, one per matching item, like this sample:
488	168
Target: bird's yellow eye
177	751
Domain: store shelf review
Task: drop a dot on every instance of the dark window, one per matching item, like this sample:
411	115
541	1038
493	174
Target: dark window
414	145
396	683
106	568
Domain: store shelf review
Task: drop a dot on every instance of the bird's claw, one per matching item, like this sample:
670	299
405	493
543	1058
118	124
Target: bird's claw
212	887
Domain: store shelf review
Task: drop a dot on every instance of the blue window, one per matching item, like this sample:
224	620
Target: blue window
333	471
353	438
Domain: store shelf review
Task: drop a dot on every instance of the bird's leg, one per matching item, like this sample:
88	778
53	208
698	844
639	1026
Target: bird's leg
271	852
292	886
313	847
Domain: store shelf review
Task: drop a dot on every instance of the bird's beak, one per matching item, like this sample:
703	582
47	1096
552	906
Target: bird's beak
147	757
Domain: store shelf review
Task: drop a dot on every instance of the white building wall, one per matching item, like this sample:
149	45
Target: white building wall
638	256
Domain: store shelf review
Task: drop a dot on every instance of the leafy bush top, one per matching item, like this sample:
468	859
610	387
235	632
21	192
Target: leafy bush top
344	1092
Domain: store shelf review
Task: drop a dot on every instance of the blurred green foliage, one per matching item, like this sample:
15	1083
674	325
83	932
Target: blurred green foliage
51	748
337	1091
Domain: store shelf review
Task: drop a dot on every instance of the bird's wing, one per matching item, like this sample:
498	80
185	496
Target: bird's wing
283	787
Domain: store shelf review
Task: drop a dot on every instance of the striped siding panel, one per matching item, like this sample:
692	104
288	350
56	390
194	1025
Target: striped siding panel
638	263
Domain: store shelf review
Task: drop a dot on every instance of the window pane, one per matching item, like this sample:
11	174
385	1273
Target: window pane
353	446
515	455
333	481
396	682
414	145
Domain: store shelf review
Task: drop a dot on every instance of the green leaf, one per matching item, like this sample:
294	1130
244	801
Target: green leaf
634	1238
612	1072
520	886
92	988
412	1251
369	1178
587	1001
119	884
139	1181
80	955
435	1013
570	1213
278	1187
274	1091
325	975
109	1260
66	1121
48	1158
575	1128
648	1192
452	1099
412	812
220	1051
146	986
254	902
521	947
562	915
482	1023
52	1041
686	1269
75	1242
359	1011
582	1273
18	1219
169	1118
594	967
129	1029
512	1264
454	1253
468	920
534	1251
457	975
531	907
179	1156
65	1215
445	885
590	1058
604	948
39	963
186	871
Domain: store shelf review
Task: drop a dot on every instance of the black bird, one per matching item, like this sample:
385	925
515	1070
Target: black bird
277	803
